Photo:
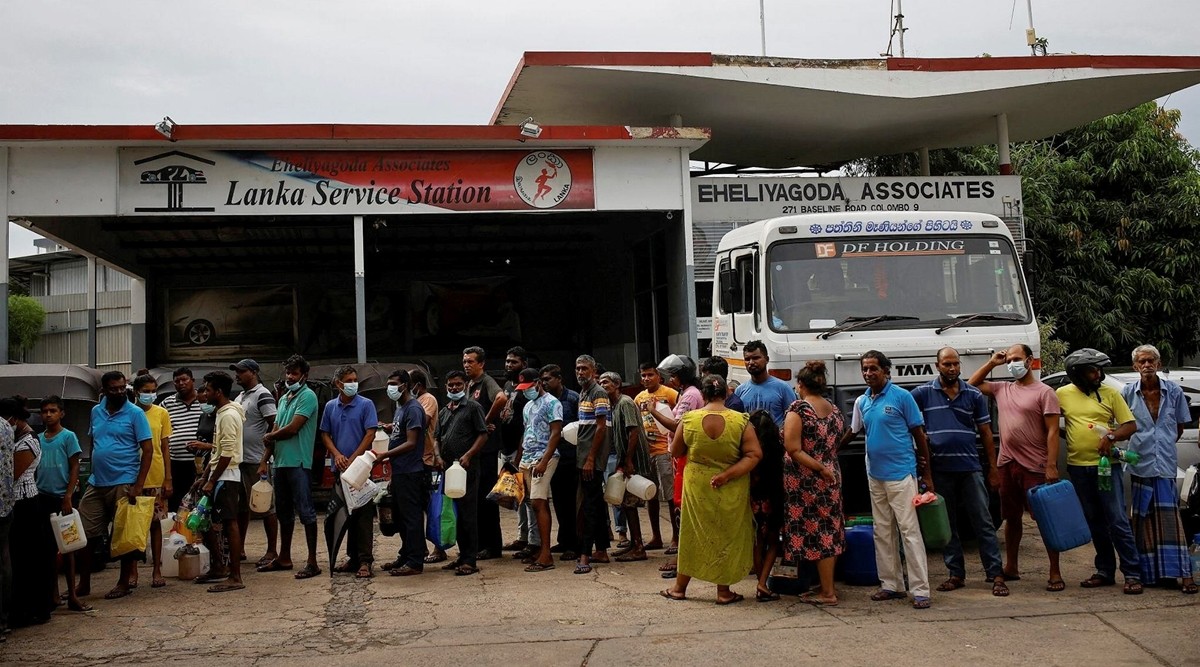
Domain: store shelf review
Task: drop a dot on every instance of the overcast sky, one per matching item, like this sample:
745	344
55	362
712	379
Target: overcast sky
417	62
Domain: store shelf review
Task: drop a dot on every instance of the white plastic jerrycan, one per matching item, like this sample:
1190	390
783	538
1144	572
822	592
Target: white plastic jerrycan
641	487
359	470
456	481
260	496
68	531
614	488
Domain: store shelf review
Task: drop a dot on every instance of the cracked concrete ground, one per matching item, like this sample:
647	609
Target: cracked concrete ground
613	616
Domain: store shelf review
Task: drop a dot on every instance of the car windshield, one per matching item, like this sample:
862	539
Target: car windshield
816	284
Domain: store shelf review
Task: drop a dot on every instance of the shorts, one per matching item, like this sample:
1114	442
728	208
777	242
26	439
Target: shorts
538	488
293	495
1015	482
665	467
249	479
228	501
160	502
98	507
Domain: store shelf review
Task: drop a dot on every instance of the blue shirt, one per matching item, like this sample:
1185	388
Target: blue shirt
773	395
54	471
539	414
888	419
409	416
1155	440
950	424
116	444
734	403
348	423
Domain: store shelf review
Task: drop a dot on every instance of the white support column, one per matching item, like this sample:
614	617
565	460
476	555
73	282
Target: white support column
685	178
360	289
923	153
137	322
1002	144
91	311
4	256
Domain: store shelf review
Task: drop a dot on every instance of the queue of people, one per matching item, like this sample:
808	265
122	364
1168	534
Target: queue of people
747	476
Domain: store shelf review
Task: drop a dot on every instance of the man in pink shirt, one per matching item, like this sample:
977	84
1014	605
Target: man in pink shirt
1028	457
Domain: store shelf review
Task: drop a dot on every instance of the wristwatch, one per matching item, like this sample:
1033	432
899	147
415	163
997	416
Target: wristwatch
1110	437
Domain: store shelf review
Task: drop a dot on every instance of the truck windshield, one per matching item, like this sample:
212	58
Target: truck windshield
813	285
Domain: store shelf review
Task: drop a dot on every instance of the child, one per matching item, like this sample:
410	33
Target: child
57	479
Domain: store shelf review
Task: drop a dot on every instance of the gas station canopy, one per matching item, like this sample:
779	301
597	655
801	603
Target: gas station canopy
781	112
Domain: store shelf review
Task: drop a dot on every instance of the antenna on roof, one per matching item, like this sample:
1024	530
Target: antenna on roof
895	28
1036	44
762	24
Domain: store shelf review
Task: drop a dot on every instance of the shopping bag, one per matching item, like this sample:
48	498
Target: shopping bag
509	490
356	498
131	526
441	522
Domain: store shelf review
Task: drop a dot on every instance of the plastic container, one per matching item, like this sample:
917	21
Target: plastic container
641	487
1194	553
1126	456
1104	474
1185	491
456	481
171	543
935	523
359	470
664	410
857	562
570	433
382	442
198	520
1059	516
260	496
167	524
68	531
614	489
188	566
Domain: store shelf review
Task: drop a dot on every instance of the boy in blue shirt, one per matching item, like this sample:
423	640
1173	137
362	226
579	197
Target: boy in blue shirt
57	478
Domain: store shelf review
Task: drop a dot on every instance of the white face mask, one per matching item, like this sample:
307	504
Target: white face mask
207	408
350	389
394	391
1017	369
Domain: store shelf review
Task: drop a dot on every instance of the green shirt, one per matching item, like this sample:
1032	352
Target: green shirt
297	451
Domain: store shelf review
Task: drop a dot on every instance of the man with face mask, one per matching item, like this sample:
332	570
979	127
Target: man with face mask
1028	454
410	481
347	430
538	456
122	452
953	411
1088	403
158	481
460	435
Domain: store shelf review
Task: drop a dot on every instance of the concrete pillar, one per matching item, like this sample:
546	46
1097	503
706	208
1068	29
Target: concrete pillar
924	155
91	311
360	290
685	179
137	323
4	256
1002	144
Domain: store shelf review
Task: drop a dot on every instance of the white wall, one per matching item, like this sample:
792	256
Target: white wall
62	181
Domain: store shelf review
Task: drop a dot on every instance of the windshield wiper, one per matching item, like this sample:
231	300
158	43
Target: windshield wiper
859	321
979	316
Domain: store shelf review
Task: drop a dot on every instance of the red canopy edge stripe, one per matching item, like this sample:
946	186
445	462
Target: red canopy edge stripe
193	133
1042	62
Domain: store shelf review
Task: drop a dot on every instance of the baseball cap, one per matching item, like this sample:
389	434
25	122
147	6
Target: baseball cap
528	378
245	365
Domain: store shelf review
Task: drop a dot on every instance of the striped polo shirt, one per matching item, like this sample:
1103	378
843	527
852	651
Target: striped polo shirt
950	424
184	420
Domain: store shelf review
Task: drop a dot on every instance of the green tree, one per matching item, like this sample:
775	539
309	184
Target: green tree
25	320
1112	211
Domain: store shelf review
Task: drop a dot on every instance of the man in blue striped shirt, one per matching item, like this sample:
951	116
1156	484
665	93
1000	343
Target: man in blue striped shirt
953	411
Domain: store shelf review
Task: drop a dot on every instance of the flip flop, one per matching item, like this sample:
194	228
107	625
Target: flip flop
273	566
883	594
766	596
951	584
1056	585
539	567
671	551
667	567
737	597
811	597
1189	589
264	561
999	589
435	558
78	606
225	588
671	595
452	565
209	578
669	574
1096	581
1133	588
158	583
582	568
921	602
308	572
465	570
117	593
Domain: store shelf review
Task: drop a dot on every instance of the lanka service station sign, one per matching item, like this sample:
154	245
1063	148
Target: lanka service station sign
241	182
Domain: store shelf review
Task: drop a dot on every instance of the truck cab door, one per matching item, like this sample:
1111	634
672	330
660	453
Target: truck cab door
738	287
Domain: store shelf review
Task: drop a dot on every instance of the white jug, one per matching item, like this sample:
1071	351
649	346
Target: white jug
456	481
614	489
641	487
260	496
359	470
382	442
570	433
171	543
68	531
664	410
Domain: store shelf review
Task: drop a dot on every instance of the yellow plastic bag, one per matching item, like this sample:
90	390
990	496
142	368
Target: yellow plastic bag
131	526
509	490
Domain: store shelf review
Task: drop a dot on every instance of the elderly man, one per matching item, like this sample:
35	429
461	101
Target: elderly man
1161	411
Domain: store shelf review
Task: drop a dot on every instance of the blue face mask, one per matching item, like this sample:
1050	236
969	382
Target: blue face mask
293	386
531	393
145	398
350	389
207	408
394	392
456	395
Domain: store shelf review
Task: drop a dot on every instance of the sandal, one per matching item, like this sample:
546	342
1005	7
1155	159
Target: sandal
117	592
1189	588
435	557
464	570
737	597
77	605
951	584
225	588
921	602
523	554
1056	585
883	595
308	572
211	577
540	567
582	568
406	571
264	561
999	588
274	566
667	567
452	565
765	596
1096	581
671	551
632	556
669	574
158	582
814	598
346	567
1132	587
365	571
672	595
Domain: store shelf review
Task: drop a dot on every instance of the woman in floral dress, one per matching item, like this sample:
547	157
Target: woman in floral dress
812	481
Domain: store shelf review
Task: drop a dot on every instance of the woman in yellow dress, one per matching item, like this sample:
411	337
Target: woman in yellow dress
716	529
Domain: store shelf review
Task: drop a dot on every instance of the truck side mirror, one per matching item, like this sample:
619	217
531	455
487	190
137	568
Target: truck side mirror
731	292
